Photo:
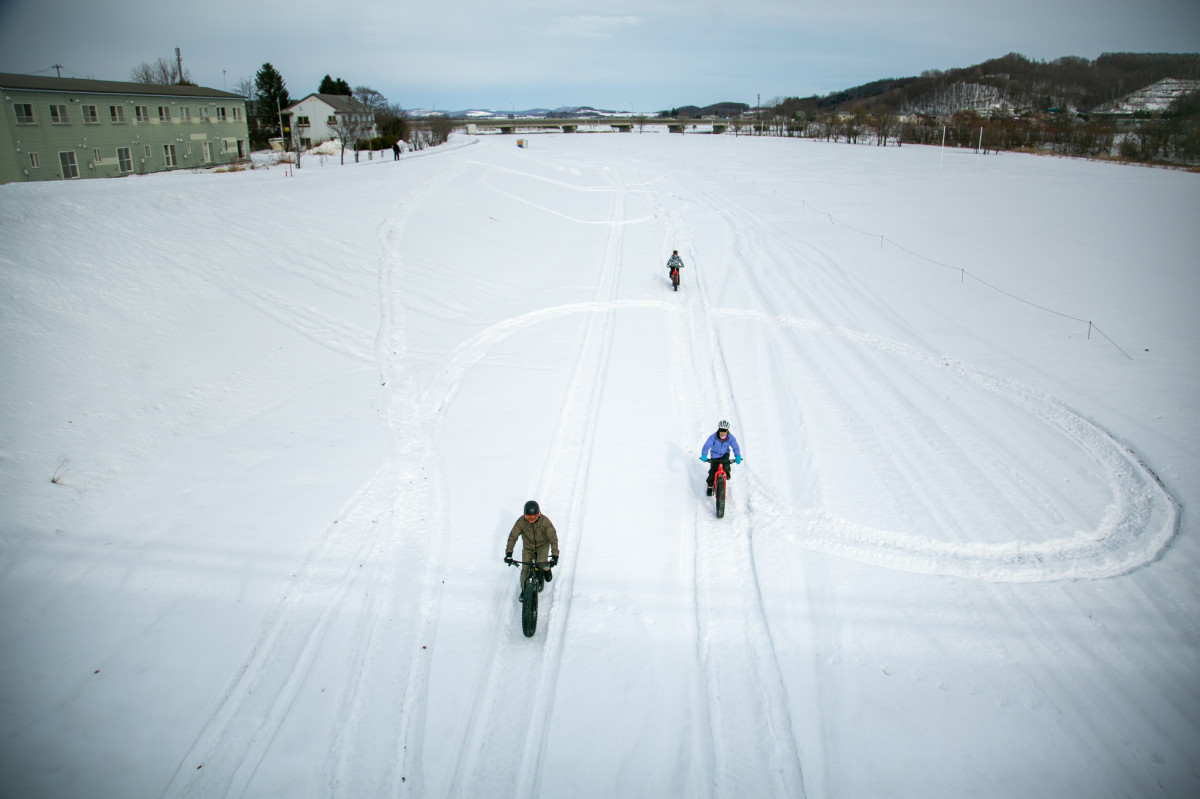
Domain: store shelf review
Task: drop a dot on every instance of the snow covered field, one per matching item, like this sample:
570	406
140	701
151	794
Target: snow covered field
291	419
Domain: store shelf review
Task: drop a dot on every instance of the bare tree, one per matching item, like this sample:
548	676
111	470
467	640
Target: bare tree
370	98
349	128
430	132
162	72
441	126
392	123
884	123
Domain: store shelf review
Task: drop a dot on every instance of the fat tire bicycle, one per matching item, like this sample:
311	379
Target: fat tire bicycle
720	479
675	277
535	581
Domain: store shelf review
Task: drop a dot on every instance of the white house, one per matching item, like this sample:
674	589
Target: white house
321	117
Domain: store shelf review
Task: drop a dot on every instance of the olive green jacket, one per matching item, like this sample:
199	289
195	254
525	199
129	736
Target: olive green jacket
535	535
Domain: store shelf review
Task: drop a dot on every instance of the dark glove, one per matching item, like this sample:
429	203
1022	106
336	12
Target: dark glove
553	561
508	558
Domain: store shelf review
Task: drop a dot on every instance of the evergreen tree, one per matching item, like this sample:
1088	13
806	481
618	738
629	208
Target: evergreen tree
270	95
331	86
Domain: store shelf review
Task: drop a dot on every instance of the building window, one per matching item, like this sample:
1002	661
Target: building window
208	155
24	113
149	154
164	113
169	154
89	115
302	122
237	114
185	113
241	145
204	111
221	114
116	113
97	156
69	168
143	113
35	161
124	159
59	115
332	121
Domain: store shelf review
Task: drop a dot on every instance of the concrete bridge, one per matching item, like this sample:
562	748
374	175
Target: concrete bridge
622	124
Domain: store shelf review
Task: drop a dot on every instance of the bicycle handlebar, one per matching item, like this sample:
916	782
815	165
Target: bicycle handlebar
515	562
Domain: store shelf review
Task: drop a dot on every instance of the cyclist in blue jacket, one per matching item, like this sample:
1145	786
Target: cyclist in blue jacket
716	451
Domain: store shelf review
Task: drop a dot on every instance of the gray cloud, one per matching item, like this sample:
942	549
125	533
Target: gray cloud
650	55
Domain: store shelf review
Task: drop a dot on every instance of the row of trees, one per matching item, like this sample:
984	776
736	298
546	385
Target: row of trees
1172	138
161	72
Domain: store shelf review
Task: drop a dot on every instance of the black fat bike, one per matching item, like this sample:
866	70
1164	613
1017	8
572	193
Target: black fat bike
535	581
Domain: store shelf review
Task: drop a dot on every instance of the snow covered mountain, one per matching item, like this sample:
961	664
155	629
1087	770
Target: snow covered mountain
1155	98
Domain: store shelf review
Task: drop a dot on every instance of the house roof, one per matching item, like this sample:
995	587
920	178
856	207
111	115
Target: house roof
87	86
340	103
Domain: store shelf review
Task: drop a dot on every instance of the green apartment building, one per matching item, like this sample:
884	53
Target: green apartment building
68	128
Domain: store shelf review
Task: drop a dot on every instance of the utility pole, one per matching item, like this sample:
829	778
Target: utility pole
179	62
58	68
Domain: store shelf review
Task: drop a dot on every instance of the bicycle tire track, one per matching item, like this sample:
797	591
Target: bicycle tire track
1134	528
388	666
735	650
347	572
485	758
242	724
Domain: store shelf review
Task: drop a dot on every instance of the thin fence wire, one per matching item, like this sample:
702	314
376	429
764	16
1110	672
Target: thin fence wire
965	273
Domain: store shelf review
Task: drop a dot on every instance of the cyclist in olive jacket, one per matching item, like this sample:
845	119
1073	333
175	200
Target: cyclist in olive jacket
539	538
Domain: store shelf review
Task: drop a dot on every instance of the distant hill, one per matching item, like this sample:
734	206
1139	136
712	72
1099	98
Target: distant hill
720	110
563	112
1157	98
1012	82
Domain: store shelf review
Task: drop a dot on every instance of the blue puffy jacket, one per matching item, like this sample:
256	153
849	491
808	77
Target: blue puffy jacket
715	448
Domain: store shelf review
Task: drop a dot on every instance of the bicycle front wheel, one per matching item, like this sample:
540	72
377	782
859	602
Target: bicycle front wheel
719	491
529	610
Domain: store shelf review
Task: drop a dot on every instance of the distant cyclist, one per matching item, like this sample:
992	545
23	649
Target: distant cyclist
716	451
539	539
674	262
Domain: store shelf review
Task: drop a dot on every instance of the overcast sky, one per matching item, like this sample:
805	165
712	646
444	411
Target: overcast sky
643	55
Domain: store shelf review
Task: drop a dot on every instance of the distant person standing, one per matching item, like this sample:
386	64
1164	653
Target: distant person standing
396	150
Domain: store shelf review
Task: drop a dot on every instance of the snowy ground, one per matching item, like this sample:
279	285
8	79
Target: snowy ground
292	417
